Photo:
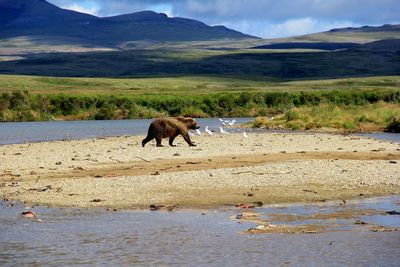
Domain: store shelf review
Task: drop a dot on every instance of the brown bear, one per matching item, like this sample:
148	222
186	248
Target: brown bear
170	127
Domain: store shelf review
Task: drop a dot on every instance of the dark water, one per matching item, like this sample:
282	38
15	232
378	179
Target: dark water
20	132
70	237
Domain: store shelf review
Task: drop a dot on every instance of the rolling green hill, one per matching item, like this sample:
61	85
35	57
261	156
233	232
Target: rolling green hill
361	35
373	59
329	40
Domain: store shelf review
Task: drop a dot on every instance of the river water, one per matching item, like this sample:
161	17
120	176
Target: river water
70	237
21	132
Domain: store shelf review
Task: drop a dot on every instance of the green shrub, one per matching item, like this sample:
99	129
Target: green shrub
15	105
292	115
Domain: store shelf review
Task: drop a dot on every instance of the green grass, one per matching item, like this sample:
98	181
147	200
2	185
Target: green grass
44	44
356	37
183	85
376	117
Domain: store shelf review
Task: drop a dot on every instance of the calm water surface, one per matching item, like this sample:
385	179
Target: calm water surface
68	237
21	132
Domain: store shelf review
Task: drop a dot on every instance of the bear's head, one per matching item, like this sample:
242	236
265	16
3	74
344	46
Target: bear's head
190	123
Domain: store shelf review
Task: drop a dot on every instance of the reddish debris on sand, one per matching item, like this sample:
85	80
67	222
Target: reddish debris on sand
162	207
245	206
28	214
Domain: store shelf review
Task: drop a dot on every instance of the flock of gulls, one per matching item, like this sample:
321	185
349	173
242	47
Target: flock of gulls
222	131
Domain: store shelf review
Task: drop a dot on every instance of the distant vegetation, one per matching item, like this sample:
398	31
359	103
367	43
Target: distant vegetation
374	59
296	105
184	85
308	45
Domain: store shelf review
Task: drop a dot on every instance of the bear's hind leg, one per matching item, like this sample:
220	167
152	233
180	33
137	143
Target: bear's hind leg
171	140
146	140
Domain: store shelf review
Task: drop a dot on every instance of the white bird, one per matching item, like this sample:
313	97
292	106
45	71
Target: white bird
222	121
245	135
198	132
191	134
208	131
222	131
232	122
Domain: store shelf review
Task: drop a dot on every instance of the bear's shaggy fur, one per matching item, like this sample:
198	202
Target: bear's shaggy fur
170	128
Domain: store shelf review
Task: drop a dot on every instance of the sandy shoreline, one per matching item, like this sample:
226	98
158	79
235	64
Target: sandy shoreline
117	172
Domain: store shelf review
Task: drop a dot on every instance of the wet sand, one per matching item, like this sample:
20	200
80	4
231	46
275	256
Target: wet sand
118	173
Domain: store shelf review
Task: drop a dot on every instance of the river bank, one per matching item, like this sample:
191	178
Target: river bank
118	173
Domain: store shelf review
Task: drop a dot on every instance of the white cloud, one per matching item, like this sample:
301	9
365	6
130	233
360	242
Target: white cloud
291	27
301	26
88	10
263	18
163	8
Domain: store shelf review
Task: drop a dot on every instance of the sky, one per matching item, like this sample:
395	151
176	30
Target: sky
262	18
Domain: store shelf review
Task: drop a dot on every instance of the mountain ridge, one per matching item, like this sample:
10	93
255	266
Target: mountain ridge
41	18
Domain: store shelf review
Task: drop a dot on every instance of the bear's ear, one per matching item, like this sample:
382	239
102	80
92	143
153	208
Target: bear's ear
185	119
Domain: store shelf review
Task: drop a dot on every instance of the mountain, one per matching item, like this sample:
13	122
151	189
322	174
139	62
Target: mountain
40	18
37	13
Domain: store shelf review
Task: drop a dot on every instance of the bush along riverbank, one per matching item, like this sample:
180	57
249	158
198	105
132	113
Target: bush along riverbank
375	117
352	110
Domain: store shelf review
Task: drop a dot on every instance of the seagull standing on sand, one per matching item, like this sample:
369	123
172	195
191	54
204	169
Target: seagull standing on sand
198	132
232	122
245	134
208	131
222	131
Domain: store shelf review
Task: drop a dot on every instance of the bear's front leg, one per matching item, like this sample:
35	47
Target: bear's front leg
158	140
187	139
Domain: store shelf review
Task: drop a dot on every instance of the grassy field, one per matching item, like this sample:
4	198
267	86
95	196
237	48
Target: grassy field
184	85
356	37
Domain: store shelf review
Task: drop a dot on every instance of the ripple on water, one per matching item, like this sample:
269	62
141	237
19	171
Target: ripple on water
96	237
